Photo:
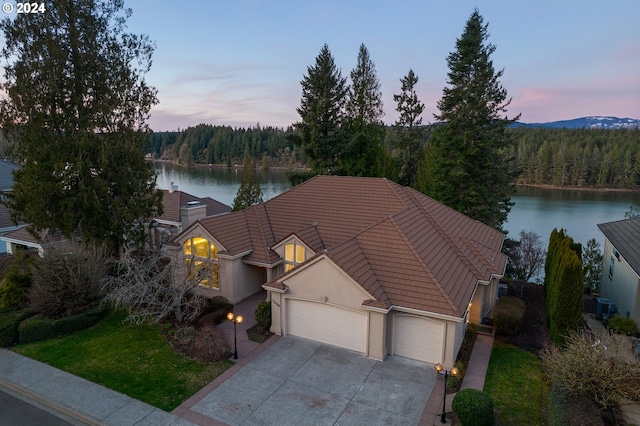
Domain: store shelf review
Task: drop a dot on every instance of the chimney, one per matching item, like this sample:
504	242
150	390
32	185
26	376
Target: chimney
172	187
192	212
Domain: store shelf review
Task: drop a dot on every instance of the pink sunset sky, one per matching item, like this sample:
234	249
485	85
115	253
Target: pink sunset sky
240	62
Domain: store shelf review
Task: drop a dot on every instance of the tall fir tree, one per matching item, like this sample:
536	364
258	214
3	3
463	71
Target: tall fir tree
408	128
75	117
322	110
249	192
364	111
464	165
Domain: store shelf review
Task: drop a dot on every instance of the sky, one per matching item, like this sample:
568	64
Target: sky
240	62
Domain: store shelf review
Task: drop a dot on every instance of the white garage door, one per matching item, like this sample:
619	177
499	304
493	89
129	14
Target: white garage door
417	338
327	324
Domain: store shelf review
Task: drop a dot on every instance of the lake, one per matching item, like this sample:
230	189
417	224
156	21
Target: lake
536	209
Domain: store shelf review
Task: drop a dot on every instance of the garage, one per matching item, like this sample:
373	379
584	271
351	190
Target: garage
327	324
418	338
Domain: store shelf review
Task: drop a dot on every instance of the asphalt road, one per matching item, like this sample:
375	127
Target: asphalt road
16	412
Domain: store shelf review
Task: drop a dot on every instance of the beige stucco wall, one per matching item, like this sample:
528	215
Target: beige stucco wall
323	282
622	287
454	335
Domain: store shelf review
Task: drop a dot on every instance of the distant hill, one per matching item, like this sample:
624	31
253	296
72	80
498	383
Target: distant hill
595	122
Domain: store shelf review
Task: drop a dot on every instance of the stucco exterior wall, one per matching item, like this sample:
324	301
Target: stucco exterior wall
453	335
622	286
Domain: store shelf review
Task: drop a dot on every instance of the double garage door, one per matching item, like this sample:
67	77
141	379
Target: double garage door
327	324
418	338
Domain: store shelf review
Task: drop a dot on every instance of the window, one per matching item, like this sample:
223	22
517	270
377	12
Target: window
201	257
293	255
611	263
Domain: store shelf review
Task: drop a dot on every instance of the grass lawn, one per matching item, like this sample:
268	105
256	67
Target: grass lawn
134	360
514	382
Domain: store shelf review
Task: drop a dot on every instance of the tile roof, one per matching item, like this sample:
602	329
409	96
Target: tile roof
44	237
401	246
625	237
172	201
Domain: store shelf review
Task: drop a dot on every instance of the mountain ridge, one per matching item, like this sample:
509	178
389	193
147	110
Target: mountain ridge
589	122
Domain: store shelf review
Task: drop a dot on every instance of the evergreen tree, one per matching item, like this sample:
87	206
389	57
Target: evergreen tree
409	130
322	109
592	265
249	192
75	117
464	165
363	150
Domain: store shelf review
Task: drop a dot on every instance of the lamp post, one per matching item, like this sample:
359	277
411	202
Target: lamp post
454	372
235	320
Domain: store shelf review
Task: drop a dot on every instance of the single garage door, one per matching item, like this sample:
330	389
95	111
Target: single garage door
327	324
417	338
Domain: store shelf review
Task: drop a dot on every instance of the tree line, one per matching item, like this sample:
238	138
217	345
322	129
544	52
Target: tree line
589	158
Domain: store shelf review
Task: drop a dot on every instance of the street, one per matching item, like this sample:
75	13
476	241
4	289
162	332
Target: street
15	412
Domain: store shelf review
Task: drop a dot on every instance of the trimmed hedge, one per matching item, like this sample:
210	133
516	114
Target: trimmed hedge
473	408
9	322
39	327
572	411
508	314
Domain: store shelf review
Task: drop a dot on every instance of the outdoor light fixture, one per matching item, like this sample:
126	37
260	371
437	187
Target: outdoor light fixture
235	320
454	372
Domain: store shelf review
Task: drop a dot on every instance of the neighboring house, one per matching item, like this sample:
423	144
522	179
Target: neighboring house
360	263
621	269
181	209
6	185
21	237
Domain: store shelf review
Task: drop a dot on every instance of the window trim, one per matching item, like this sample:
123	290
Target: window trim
210	262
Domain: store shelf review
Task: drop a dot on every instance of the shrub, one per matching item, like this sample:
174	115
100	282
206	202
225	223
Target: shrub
9	323
508	315
66	281
39	327
622	325
263	315
473	408
211	345
454	382
16	281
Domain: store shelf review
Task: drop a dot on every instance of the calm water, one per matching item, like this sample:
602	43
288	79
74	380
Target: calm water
535	209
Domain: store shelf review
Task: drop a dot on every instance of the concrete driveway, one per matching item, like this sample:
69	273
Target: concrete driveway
296	381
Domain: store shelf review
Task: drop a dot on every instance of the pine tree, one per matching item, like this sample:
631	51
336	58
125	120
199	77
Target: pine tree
464	165
322	109
75	115
364	112
408	128
249	192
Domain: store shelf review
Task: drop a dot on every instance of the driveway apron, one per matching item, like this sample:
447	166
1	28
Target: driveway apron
297	381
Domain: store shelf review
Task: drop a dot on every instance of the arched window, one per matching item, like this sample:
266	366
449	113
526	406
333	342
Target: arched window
294	254
201	257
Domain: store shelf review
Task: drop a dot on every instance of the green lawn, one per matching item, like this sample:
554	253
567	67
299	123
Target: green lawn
514	382
134	360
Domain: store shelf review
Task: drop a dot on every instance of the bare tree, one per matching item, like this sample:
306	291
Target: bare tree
602	367
527	256
153	287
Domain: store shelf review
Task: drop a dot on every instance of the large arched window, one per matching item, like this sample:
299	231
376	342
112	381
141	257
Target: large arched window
201	257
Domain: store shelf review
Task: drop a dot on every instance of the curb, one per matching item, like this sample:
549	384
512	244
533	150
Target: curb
52	407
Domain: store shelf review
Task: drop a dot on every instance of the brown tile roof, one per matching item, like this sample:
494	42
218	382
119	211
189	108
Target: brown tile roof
625	237
401	246
172	201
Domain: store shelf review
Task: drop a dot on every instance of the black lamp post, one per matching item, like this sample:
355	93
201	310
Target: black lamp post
235	320
454	372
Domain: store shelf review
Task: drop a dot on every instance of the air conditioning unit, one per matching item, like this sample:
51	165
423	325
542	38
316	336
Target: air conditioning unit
604	308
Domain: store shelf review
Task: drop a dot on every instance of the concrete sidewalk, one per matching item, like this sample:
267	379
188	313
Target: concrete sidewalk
474	378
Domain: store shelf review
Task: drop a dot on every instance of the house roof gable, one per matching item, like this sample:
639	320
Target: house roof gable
172	201
625	237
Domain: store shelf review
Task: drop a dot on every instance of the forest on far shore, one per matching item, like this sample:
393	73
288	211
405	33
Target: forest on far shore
583	158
